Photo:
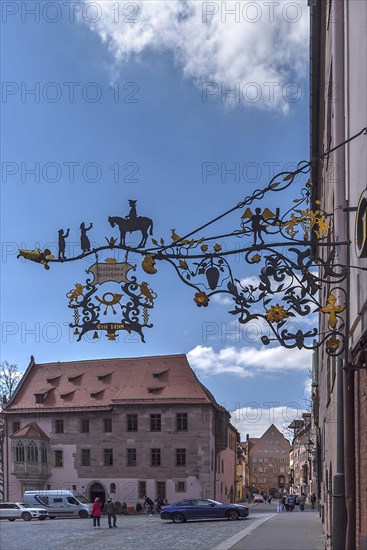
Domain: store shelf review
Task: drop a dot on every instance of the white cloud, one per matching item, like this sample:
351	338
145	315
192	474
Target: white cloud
254	419
248	361
265	51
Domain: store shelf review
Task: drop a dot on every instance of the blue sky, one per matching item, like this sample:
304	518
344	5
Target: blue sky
160	131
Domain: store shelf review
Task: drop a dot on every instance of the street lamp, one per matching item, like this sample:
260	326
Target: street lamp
309	445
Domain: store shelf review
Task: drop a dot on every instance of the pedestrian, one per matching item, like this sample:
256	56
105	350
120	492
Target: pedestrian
280	503
159	503
110	509
313	501
302	502
290	502
284	498
96	513
138	508
149	503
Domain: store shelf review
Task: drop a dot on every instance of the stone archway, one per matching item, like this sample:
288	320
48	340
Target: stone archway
96	489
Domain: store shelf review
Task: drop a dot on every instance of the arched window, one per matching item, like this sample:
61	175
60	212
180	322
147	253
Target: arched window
113	488
32	452
19	452
44	459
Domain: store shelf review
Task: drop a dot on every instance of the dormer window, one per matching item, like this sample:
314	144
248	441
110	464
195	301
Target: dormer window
75	377
104	377
67	394
155	390
40	398
97	394
53	380
41	395
158	374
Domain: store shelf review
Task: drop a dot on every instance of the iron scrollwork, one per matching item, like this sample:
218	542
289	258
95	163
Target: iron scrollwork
294	251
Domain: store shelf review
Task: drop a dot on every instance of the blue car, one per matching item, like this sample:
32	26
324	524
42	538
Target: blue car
202	508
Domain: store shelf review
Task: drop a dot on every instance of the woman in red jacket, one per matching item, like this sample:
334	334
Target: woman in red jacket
96	512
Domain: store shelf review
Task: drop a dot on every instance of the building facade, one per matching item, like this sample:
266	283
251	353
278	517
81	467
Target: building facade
303	456
339	115
123	428
268	459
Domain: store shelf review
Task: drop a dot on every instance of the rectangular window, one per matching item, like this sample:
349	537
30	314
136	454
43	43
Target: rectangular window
261	459
16	426
58	459
254	469
261	469
132	422
84	426
108	457
180	457
254	460
59	426
155	457
131	457
266	460
107	425
142	489
181	422
180	486
155	422
161	489
74	487
85	457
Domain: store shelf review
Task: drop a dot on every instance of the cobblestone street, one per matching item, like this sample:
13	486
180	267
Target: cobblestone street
263	529
132	533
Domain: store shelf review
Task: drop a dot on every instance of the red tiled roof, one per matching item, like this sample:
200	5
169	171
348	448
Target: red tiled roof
110	381
31	430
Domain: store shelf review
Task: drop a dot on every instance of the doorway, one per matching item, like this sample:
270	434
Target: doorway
97	491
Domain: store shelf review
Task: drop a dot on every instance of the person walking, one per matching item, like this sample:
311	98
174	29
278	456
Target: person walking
110	509
302	502
280	503
149	503
96	513
290	503
313	501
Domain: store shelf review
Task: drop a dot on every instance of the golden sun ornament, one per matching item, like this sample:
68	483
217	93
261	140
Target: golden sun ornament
276	314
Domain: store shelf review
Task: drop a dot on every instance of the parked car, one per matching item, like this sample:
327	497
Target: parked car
258	498
60	502
21	510
202	509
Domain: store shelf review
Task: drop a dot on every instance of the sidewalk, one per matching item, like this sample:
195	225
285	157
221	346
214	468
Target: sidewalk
285	531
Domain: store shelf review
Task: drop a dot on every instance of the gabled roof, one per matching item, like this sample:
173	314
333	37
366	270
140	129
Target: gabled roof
267	435
31	430
104	382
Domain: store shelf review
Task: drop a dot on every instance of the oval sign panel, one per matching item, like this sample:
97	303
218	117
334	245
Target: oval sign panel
361	226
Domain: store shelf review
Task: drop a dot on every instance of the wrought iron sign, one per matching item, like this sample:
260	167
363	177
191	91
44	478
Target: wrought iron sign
294	251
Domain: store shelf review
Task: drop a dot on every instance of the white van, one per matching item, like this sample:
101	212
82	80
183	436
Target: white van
60	503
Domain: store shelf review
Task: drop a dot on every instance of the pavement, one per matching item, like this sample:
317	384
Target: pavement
264	529
280	531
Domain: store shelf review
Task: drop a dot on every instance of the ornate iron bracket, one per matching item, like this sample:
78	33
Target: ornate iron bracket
286	290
